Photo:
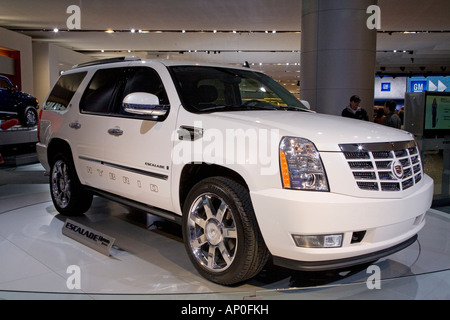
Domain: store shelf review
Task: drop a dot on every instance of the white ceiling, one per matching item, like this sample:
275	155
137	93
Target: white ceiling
278	53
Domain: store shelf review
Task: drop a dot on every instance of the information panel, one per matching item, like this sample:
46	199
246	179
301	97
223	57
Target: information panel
437	112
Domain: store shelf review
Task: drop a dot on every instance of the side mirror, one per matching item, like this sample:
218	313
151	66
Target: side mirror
145	104
306	104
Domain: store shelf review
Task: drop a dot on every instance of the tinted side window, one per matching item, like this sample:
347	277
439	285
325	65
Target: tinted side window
142	79
100	92
4	84
63	91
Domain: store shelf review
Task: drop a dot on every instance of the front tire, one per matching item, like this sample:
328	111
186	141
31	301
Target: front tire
68	195
220	232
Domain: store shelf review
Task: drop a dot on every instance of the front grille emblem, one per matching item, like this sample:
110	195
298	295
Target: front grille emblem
397	169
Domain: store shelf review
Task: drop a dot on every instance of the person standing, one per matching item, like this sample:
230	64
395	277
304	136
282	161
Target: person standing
391	119
379	115
354	111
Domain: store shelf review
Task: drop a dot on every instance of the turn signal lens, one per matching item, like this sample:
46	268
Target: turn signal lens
284	170
39	126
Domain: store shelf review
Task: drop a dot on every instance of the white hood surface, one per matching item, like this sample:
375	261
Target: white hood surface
325	131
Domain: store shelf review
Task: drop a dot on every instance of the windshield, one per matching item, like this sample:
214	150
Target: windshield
211	89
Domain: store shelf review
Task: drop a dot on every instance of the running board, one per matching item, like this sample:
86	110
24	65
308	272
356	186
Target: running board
137	205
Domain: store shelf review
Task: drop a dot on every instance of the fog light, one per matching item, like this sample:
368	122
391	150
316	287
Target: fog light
319	241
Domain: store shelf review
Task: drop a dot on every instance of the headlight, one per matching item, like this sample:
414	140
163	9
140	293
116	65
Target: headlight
301	166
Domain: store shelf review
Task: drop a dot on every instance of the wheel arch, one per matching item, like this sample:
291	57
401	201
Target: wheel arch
58	145
195	172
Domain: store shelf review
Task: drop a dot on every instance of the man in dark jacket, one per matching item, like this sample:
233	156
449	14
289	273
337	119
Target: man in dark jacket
391	119
354	111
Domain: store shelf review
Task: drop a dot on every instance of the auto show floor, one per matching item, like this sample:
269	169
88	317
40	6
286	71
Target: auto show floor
149	261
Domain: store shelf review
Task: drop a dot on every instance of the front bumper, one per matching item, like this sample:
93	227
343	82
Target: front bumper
341	263
389	224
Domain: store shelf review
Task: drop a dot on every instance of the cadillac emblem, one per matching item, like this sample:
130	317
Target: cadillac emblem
397	169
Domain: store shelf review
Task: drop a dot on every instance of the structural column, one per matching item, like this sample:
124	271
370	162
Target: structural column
338	54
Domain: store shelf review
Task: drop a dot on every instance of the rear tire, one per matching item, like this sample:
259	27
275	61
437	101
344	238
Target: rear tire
68	194
220	232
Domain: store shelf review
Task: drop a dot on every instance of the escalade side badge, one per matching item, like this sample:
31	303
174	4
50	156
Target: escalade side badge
190	133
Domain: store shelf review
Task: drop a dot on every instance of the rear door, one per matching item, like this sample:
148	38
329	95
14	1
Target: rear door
89	127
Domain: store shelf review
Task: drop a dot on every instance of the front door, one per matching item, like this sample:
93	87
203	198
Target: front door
7	100
137	151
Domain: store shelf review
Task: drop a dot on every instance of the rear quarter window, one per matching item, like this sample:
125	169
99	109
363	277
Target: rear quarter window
63	91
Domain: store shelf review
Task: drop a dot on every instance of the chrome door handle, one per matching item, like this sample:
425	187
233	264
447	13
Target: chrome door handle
190	133
115	132
75	125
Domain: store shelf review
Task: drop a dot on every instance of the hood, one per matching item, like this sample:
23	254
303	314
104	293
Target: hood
325	131
26	97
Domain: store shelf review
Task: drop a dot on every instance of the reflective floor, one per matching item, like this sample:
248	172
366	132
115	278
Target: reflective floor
148	260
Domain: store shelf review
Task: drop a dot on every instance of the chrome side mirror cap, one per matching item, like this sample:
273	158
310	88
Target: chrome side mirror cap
145	104
306	104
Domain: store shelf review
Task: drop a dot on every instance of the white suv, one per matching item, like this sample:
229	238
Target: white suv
244	166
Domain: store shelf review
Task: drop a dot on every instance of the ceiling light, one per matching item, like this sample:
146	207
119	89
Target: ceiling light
56	30
215	31
133	31
109	31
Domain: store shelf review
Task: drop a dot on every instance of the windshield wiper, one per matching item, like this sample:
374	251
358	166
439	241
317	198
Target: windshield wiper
238	108
260	107
217	108
247	107
290	108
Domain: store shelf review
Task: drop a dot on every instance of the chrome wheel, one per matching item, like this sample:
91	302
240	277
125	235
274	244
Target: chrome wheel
30	118
60	184
212	235
220	231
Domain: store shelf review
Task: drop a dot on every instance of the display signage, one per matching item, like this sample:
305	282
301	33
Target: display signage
390	88
386	86
87	236
431	84
437	113
418	86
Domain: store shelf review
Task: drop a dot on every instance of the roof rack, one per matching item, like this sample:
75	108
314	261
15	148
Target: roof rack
105	61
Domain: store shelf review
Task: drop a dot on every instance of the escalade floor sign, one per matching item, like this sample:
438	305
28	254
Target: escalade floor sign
87	236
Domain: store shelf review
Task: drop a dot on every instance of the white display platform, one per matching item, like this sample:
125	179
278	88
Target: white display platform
149	260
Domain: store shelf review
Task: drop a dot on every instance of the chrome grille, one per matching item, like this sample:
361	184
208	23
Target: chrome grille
384	166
